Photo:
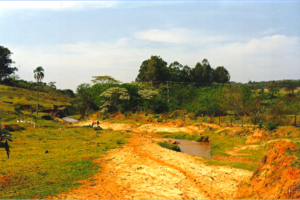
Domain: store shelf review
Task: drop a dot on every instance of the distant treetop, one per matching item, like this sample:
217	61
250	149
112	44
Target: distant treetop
104	79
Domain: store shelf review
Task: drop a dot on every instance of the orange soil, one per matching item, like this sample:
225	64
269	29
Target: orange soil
144	170
275	178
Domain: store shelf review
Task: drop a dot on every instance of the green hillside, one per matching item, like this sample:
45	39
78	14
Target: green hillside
15	98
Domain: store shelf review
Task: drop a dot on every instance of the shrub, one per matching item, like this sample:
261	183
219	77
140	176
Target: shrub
97	128
271	126
168	145
156	116
206	139
200	139
159	119
260	124
192	116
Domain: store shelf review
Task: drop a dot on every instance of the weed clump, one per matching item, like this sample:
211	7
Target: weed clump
170	146
271	126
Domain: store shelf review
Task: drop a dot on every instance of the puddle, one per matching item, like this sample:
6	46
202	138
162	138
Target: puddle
193	147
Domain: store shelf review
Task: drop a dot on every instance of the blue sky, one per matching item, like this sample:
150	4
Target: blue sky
74	41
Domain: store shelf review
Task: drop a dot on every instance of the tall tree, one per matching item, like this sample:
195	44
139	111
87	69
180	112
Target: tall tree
174	70
221	75
290	86
5	63
203	73
153	69
38	75
111	96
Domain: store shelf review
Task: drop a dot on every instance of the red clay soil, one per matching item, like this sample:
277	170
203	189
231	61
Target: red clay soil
275	178
117	115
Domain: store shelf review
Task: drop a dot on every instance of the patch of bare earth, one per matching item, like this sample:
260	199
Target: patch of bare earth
144	170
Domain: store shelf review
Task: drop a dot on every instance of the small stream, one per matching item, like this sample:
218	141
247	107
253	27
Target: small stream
70	119
193	147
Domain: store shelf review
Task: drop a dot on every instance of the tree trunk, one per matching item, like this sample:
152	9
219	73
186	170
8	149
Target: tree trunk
242	121
219	121
168	91
37	102
255	120
231	121
295	119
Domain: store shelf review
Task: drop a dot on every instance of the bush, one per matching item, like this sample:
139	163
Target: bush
97	128
200	139
168	145
156	116
260	124
159	119
271	126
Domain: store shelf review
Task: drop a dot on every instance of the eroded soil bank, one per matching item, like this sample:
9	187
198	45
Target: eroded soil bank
144	170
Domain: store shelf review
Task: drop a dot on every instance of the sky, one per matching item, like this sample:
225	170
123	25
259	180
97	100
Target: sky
74	40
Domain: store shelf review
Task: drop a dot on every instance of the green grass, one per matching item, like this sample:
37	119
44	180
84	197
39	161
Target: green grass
18	97
168	145
255	155
32	173
295	153
221	144
239	165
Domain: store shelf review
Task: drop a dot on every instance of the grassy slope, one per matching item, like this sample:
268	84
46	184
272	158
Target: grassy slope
19	97
32	173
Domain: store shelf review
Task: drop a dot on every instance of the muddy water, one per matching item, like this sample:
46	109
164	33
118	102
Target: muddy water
193	147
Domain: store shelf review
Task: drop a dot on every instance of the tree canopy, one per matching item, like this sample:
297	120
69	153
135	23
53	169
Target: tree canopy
104	79
5	63
155	69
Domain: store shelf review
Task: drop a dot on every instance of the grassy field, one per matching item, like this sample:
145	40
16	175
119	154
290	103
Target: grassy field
32	173
238	165
11	97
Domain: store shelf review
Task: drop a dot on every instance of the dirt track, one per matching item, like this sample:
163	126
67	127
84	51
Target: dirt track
142	169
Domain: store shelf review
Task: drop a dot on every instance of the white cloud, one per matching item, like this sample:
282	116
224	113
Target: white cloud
267	58
270	31
54	5
177	36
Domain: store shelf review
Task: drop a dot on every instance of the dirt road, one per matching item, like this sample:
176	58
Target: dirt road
144	170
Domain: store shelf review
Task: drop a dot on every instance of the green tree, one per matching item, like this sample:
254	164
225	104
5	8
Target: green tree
39	76
52	85
221	75
15	77
210	100
84	99
175	72
203	73
290	86
105	80
153	69
271	86
111	98
239	99
5	63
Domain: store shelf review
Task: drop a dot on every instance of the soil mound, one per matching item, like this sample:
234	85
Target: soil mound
278	176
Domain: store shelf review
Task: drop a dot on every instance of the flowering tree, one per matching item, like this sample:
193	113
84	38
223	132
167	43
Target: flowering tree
111	98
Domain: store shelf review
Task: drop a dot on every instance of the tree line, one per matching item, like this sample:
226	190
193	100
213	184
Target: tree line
156	70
